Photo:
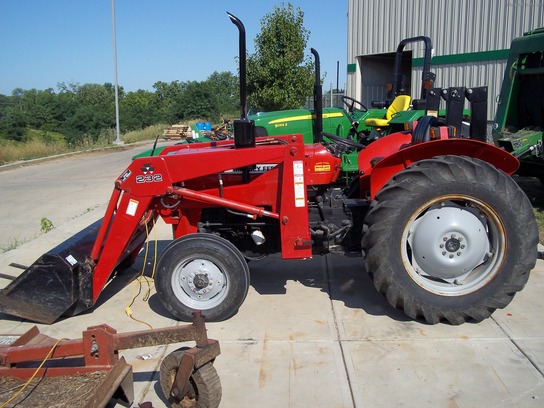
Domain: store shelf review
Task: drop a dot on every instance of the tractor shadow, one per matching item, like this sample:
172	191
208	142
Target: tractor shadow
343	279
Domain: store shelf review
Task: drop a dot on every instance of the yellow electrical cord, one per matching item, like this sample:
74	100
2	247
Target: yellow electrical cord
33	375
149	281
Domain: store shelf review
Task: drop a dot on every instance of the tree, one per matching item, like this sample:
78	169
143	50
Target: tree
197	101
138	110
13	125
279	75
95	112
166	95
225	86
39	107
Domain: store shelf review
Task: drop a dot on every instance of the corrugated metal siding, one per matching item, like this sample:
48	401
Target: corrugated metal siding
454	26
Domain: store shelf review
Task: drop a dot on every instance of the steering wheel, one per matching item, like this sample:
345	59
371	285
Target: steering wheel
341	141
350	102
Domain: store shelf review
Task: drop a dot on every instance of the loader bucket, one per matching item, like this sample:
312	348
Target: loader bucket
58	283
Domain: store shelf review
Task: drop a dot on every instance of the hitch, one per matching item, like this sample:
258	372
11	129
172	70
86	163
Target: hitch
98	351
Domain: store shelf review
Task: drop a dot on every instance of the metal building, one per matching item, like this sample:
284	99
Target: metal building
470	41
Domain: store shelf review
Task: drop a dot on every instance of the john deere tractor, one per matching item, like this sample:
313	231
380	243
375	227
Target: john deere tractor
354	120
519	121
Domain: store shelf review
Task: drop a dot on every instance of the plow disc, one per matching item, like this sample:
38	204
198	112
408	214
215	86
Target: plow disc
58	283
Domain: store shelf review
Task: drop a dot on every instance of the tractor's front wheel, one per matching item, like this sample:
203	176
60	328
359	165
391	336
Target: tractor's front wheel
202	272
450	239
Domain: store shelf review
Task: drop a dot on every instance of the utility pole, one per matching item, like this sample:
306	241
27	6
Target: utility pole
118	140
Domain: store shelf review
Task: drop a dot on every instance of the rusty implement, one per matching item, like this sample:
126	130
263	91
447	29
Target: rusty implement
98	352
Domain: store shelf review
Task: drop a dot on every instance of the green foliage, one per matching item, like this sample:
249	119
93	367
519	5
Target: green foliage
12	125
226	87
197	101
279	76
177	101
138	109
46	225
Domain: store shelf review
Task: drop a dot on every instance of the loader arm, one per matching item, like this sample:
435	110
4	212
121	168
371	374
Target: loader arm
175	186
142	193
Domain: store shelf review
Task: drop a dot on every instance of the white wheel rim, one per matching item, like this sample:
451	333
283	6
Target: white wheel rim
199	283
453	245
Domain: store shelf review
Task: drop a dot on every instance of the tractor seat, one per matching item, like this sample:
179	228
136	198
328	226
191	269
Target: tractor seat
401	103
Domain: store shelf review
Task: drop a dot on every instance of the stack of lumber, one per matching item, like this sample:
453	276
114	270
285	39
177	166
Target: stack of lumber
176	132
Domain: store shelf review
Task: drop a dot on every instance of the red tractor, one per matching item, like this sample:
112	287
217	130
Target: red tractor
444	231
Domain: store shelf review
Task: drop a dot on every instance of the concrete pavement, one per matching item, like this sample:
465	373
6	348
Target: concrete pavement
316	334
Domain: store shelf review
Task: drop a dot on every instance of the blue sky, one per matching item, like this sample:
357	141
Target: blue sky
47	42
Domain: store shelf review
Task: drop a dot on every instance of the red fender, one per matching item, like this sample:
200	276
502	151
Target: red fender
390	165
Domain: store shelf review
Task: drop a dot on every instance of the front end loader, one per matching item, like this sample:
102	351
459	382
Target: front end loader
444	232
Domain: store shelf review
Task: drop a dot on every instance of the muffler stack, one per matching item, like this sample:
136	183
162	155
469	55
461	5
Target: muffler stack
244	129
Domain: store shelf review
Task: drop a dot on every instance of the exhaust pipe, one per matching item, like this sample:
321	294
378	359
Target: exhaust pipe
318	100
244	129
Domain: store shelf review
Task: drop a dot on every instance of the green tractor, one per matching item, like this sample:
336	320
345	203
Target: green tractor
355	121
519	121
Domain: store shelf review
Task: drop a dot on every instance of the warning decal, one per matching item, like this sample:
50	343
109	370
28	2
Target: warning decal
132	207
298	174
322	166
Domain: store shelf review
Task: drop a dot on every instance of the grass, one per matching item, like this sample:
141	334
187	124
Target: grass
46	144
46	225
149	133
11	245
41	144
11	151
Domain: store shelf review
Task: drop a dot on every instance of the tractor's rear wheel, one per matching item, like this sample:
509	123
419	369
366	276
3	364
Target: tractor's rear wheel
204	384
450	239
202	272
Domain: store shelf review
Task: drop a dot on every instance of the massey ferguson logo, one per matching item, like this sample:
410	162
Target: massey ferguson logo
148	176
147	169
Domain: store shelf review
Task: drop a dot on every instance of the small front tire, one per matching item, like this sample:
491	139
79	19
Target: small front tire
202	272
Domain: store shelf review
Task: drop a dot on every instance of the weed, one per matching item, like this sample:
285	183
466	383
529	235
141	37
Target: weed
46	225
11	245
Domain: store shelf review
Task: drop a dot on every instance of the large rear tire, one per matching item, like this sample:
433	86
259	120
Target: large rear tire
202	272
450	239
